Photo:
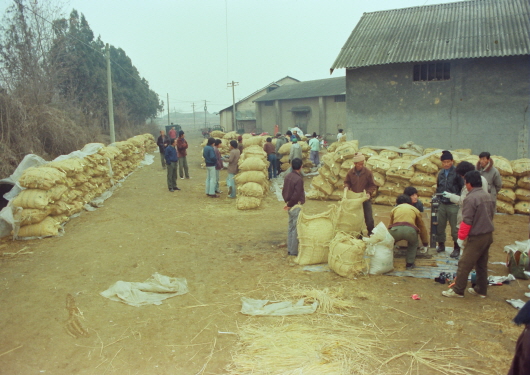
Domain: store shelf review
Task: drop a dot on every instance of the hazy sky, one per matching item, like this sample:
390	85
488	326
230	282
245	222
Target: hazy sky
191	49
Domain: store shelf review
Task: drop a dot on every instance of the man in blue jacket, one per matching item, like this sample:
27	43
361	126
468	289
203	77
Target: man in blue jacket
210	159
172	163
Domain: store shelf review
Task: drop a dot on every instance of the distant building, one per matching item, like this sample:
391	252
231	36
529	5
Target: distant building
453	75
313	106
245	112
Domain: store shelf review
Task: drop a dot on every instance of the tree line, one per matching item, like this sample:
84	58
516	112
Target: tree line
53	85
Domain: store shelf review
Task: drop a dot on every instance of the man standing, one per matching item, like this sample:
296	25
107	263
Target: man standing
182	146
405	224
172	161
280	141
232	169
360	179
293	194
490	173
296	151
218	165
210	159
340	135
271	157
448	181
172	132
314	155
162	142
477	228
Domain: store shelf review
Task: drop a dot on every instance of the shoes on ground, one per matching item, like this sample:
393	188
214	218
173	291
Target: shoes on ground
213	196
171	190
410	266
441	247
182	178
455	253
219	192
451	294
176	188
473	292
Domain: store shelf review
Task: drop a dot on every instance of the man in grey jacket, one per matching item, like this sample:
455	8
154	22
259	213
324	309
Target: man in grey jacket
490	173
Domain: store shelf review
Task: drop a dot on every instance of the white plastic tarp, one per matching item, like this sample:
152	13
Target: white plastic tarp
380	248
262	307
151	292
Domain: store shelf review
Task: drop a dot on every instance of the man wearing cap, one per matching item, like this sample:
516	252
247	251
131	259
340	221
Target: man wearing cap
360	179
448	181
280	141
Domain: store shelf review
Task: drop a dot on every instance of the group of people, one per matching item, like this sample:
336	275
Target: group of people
468	196
173	155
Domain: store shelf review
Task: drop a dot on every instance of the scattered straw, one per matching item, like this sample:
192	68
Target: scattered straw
329	300
12	350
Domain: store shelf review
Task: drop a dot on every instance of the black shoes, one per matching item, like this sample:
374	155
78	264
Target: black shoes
441	247
410	266
456	251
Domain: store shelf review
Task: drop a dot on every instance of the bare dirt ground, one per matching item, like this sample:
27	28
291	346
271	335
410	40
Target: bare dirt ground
224	254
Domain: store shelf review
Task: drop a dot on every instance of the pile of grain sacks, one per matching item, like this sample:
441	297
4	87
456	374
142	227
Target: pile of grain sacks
57	190
393	172
252	180
285	151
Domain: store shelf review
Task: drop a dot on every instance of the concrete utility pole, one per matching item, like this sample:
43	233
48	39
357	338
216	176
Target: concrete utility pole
193	106
205	109
109	94
168	110
233	84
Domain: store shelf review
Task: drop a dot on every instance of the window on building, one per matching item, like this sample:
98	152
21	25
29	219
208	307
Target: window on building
269	103
340	98
432	72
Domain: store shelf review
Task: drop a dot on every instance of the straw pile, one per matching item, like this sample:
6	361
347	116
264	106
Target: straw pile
393	172
252	180
57	190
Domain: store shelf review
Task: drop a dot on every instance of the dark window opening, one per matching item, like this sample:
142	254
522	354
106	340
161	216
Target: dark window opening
269	89
340	98
269	103
431	72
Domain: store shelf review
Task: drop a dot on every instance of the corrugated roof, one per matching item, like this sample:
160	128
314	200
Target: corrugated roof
307	89
465	29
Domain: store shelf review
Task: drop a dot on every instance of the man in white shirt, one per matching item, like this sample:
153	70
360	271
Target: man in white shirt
340	135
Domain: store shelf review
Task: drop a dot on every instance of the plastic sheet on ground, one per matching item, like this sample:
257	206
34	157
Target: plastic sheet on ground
498	280
148	160
517	303
317	268
98	201
151	292
262	307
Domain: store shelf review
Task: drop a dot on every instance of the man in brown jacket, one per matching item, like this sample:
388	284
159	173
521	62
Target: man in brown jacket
405	224
293	194
477	228
233	159
182	146
360	179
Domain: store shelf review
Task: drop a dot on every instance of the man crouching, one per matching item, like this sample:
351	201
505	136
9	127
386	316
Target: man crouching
477	227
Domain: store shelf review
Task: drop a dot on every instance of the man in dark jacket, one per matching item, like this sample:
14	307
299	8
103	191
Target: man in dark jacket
210	159
293	194
360	179
172	162
182	146
476	229
521	359
448	181
162	142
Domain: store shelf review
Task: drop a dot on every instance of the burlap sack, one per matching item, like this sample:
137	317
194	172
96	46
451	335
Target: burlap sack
465	151
343	173
425	191
247	203
368	152
339	184
109	152
217	134
521	167
256	140
43	178
335	168
385	200
254	164
29	216
59	208
69	166
59	219
315	194
391	189
389	154
378	164
346	255
345	151
285	149
47	227
506	195
32	198
80	178
251	176
347	164
285	166
421	179
336	195
246	135
350	213
332	179
321	184
503	165
305	147
400	168
509	182
328	159
251	189
231	136
56	192
284	159
522	207
254	151
504	207
379	178
314	234
522	194
426	166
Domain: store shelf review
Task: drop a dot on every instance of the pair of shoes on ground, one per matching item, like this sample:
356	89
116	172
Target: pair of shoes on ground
451	293
175	188
213	195
219	192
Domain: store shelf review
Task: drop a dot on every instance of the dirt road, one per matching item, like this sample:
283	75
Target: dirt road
224	254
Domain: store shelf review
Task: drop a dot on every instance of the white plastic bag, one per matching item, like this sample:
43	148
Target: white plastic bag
379	247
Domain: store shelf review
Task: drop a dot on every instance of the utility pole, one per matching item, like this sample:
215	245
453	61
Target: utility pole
205	109
168	110
193	106
109	94
233	84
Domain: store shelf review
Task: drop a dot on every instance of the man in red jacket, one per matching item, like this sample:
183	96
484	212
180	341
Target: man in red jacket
360	179
293	194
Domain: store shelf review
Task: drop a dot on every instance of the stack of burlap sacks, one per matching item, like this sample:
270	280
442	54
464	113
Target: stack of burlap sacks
57	190
393	173
285	150
332	237
252	180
